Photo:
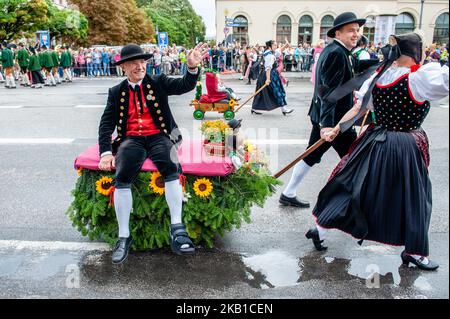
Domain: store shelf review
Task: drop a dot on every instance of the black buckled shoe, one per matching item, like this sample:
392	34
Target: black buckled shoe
120	251
419	262
314	235
181	244
288	201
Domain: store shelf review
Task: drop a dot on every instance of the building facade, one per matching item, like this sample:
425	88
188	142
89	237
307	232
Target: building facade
256	21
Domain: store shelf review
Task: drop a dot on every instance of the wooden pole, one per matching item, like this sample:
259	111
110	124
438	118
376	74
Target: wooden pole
364	122
251	97
301	157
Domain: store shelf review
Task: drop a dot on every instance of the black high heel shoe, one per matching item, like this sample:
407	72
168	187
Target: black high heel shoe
256	113
419	262
314	235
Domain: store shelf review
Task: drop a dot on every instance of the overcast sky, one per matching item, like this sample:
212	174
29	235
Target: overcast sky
207	10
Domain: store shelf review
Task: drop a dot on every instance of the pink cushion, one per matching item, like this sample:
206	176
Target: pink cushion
191	154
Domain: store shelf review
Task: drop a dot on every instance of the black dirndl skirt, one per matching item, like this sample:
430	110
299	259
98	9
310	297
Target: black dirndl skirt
273	96
381	191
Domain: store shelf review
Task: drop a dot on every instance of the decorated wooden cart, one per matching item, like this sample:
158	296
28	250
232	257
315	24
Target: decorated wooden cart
217	197
224	106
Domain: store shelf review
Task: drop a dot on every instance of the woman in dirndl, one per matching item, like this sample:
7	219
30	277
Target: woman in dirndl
274	95
381	191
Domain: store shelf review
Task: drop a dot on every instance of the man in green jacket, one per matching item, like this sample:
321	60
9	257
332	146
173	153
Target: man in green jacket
2	78
35	68
55	63
47	64
23	59
8	65
66	63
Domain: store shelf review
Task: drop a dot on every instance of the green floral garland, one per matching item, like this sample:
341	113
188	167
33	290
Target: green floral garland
224	207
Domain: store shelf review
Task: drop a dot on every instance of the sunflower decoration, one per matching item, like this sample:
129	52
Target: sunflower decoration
157	183
104	185
79	172
232	103
203	187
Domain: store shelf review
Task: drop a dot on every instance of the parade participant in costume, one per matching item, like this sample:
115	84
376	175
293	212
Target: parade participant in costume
8	66
139	109
47	64
2	78
35	68
361	52
23	60
334	68
381	191
66	63
279	54
274	96
55	65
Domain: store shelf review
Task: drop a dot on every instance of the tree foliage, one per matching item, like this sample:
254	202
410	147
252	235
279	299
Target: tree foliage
177	18
22	18
68	24
115	22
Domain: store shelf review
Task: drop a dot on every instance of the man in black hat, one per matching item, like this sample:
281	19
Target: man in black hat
139	109
334	67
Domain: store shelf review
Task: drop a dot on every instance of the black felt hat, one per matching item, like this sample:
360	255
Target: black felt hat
344	19
132	52
410	44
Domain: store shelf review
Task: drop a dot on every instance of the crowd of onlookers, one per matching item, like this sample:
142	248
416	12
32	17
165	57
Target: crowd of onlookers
99	61
172	60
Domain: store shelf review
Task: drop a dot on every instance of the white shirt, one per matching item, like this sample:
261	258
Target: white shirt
428	83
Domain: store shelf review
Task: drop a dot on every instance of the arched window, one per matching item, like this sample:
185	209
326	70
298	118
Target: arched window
404	23
240	30
369	29
441	29
305	29
325	25
284	28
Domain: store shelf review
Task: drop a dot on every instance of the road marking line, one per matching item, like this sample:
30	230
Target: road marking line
89	106
35	141
53	245
11	106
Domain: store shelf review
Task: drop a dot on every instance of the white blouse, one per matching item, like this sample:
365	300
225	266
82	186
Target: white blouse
269	60
428	83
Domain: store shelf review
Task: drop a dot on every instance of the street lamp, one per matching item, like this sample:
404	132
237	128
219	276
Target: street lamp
421	13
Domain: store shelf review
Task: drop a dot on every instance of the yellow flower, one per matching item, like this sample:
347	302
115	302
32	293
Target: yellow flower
157	183
203	187
79	171
232	103
104	185
249	146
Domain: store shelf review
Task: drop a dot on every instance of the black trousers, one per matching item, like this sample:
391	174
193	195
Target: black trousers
37	77
133	152
341	144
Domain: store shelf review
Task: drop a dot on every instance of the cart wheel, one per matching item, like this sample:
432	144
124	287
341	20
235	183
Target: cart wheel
199	115
228	115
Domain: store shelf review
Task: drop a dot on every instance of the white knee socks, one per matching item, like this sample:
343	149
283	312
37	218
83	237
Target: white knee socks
123	203
174	198
322	232
300	171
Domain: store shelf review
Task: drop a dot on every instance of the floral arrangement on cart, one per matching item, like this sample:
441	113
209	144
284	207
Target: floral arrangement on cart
218	194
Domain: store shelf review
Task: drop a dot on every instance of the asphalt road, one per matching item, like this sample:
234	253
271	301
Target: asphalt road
42	256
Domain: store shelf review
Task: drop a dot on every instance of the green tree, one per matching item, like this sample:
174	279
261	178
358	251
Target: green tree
115	22
140	27
69	25
177	18
22	18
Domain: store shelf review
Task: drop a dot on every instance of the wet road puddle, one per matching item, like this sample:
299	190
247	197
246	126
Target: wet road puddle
215	269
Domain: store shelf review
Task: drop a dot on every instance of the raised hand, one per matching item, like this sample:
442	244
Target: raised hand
195	56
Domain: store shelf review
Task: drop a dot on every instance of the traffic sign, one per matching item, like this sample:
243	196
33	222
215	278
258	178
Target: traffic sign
163	39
